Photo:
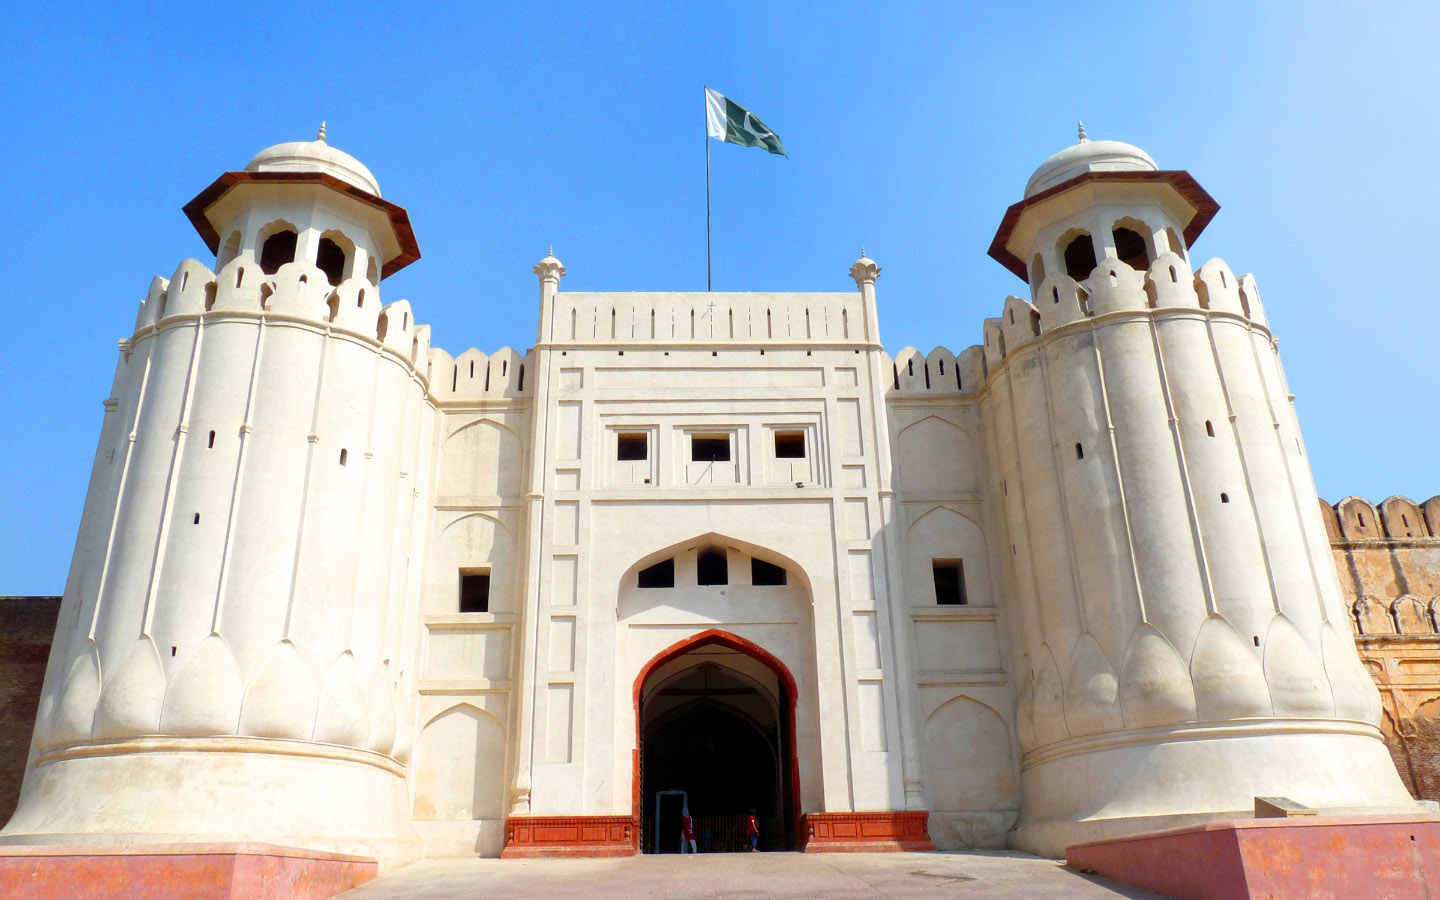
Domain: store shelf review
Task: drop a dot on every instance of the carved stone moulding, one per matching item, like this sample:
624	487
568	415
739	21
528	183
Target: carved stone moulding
528	837
866	832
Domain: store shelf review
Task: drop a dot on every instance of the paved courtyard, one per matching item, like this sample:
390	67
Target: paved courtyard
760	876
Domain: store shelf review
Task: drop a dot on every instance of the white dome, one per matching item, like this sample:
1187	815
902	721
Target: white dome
314	156
1088	156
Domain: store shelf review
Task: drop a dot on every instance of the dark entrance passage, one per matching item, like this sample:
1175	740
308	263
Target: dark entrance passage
715	725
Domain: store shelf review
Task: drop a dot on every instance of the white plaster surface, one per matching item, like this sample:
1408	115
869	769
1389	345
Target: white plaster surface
261	636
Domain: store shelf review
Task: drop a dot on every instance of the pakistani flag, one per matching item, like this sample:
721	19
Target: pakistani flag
727	120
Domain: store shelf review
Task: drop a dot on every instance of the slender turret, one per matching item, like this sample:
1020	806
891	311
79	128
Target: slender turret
1180	638
230	626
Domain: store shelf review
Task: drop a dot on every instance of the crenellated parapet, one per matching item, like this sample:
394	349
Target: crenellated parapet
1397	518
939	374
297	292
706	318
1167	287
475	377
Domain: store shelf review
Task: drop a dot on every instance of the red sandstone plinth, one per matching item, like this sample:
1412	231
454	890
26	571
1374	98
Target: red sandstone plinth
866	832
1341	857
527	837
239	871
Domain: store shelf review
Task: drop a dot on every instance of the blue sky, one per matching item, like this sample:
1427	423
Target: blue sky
504	128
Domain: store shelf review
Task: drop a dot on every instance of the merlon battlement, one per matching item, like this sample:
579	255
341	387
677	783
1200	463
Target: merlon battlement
1113	287
297	290
474	376
940	374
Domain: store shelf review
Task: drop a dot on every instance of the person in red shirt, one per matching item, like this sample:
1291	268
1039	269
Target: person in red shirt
752	833
687	832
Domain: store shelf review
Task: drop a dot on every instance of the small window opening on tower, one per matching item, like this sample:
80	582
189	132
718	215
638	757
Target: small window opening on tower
711	568
344	456
1130	247
660	575
632	447
1079	451
474	590
789	445
710	448
1224	498
330	257
1209	428
211	445
278	249
197	518
1360	519
949	581
764	574
1080	257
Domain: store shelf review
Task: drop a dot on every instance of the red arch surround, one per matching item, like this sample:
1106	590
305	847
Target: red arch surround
740	645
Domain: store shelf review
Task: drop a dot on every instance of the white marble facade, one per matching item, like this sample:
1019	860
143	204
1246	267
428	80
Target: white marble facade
262	635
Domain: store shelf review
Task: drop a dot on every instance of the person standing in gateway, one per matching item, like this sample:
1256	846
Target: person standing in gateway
687	832
752	833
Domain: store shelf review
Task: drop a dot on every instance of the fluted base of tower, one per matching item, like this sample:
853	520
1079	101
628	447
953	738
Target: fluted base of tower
1129	782
216	790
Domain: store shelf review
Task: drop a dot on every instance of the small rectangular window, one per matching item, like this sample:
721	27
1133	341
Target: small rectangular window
632	447
660	575
949	582
710	448
474	590
789	445
764	574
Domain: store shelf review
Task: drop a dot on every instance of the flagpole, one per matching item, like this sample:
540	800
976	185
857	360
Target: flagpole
708	286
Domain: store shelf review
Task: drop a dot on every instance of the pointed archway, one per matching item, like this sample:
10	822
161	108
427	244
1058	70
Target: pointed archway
713	724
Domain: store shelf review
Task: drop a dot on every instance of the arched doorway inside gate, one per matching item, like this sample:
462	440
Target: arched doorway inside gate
715	718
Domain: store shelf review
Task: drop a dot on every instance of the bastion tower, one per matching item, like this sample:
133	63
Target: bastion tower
1179	638
229	641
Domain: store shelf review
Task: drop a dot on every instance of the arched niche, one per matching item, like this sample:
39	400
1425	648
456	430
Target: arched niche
482	458
942	533
459	766
935	455
969	764
471	542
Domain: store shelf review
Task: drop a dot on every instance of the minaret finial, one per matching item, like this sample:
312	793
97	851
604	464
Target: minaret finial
862	250
552	249
1084	138
321	136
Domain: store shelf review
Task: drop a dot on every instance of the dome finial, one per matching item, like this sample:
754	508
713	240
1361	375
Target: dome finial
552	250
321	135
862	251
1084	138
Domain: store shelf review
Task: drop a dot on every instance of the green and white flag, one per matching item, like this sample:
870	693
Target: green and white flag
726	120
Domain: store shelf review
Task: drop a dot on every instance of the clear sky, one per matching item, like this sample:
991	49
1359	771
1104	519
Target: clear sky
505	127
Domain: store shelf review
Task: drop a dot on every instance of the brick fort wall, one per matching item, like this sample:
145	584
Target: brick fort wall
27	626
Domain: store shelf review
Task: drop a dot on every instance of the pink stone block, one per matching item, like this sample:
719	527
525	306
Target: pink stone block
1341	857
178	872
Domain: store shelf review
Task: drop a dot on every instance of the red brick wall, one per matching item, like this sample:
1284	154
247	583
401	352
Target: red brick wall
27	625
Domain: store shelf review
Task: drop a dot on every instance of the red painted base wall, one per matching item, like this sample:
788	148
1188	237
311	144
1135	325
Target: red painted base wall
865	832
527	837
1341	857
178	872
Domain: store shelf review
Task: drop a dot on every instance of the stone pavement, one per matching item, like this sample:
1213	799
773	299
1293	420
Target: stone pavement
743	876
